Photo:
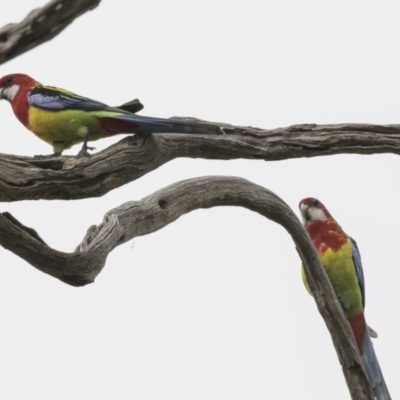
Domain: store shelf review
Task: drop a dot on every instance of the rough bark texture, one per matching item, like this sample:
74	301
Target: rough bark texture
139	218
66	177
40	25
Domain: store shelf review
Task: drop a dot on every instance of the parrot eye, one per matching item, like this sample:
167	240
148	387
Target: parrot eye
316	203
9	80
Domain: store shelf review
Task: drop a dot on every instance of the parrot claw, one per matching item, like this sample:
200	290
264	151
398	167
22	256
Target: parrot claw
84	150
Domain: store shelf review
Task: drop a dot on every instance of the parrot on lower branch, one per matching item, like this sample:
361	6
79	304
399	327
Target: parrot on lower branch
63	119
341	258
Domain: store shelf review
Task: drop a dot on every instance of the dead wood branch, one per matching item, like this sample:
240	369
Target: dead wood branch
26	178
40	25
152	213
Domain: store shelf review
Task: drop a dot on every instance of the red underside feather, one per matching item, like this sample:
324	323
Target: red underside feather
358	327
112	126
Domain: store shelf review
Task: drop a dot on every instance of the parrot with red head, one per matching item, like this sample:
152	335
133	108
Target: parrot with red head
340	256
63	119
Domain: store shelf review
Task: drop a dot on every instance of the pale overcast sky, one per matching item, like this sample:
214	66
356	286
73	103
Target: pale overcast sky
212	306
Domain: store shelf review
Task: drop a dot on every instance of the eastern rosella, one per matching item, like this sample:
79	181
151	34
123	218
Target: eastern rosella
63	119
341	258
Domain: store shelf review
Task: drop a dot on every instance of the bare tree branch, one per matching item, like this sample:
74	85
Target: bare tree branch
26	178
139	218
40	25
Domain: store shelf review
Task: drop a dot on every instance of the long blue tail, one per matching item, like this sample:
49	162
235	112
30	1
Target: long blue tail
161	125
373	369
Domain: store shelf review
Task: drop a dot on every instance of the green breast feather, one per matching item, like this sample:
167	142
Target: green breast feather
341	271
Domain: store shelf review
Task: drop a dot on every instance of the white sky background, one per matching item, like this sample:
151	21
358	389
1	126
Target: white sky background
213	305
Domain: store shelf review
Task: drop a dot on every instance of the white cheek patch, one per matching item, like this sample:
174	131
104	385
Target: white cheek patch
310	213
10	92
316	214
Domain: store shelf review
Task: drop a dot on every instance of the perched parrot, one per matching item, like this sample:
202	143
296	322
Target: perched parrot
341	258
63	119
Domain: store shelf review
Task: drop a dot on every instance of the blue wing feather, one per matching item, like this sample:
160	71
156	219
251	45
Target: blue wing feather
359	269
55	99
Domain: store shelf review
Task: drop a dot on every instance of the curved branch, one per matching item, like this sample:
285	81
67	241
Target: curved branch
66	177
40	25
139	218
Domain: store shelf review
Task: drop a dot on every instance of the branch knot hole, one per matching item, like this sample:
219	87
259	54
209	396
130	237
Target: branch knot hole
162	203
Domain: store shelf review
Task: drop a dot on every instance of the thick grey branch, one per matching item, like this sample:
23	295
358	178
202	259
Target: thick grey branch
40	25
26	178
139	218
